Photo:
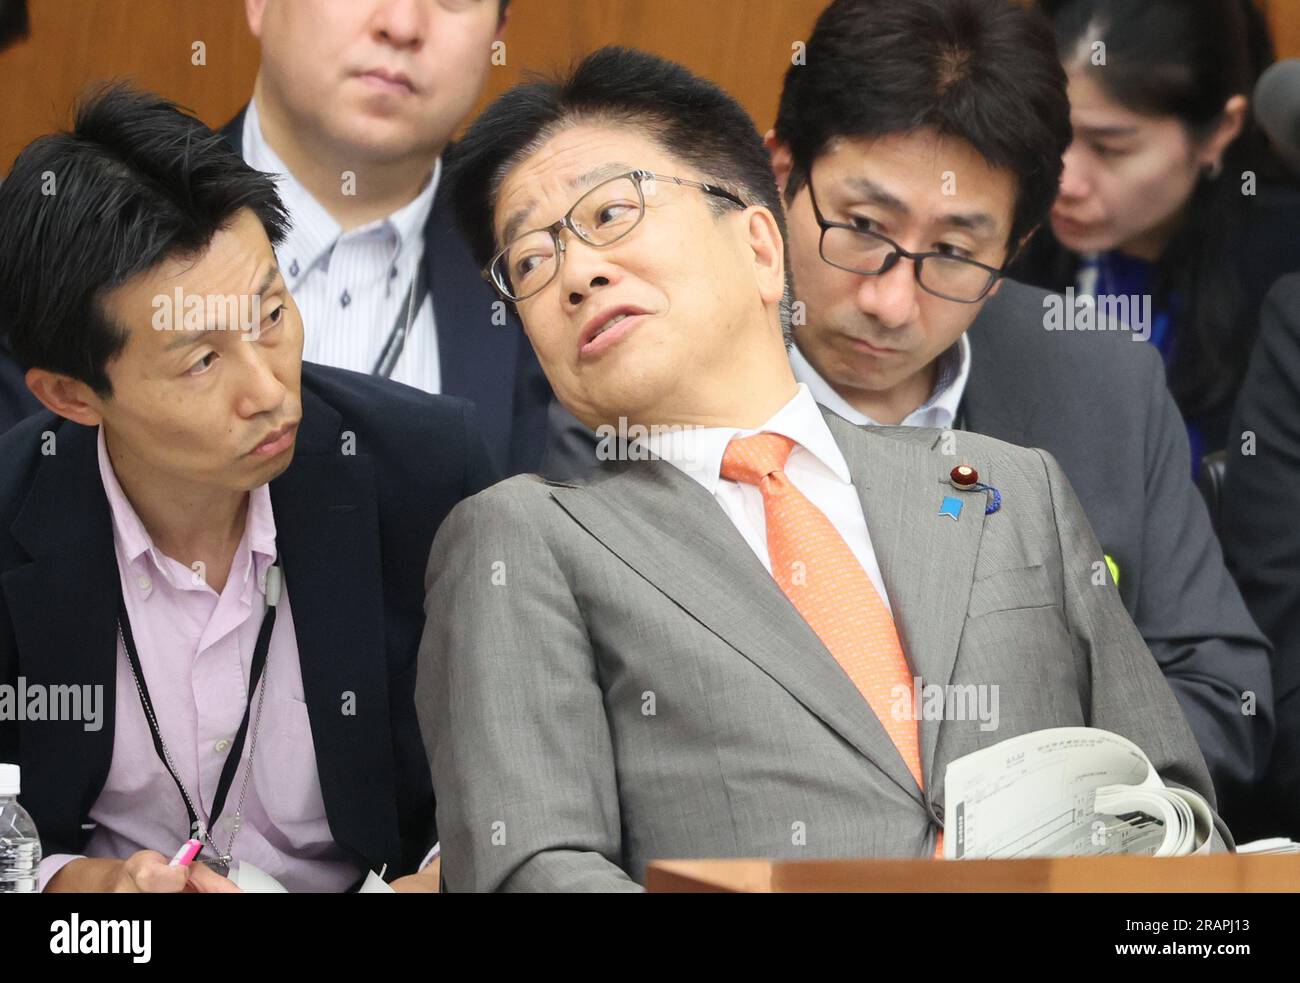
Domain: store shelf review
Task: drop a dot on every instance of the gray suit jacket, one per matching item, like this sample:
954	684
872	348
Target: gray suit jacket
609	675
1097	401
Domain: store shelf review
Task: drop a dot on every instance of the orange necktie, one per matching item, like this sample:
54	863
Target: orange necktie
830	589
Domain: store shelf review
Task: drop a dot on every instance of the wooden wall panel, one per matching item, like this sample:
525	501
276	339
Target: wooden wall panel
74	43
1284	20
744	45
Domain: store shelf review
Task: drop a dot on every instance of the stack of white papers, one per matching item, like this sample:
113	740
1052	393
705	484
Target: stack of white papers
1068	791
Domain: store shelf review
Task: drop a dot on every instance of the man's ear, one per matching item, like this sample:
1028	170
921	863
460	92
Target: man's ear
68	397
769	253
253	11
782	160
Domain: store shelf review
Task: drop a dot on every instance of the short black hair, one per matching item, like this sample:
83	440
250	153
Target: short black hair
983	71
135	182
689	117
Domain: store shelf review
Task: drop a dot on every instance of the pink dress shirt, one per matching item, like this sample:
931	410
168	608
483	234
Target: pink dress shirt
195	649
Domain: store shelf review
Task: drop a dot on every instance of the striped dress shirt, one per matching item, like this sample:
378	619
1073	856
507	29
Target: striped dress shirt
351	286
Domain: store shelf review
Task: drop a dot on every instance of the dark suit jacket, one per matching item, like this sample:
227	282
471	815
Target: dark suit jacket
353	532
16	400
1098	402
491	365
1262	537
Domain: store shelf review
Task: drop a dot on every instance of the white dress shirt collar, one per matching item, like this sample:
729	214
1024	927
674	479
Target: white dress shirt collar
940	410
314	232
698	451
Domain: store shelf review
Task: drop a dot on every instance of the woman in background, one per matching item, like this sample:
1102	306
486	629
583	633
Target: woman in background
1169	189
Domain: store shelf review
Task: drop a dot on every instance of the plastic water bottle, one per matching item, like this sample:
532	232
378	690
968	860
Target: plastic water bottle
20	847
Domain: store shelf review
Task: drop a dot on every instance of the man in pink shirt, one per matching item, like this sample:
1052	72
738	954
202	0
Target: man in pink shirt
221	546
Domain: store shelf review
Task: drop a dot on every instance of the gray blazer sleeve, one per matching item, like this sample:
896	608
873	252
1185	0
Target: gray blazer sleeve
511	708
1193	617
1125	690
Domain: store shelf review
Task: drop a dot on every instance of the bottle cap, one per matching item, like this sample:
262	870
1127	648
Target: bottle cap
9	779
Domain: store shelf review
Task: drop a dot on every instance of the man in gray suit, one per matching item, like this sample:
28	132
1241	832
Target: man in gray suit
655	663
879	344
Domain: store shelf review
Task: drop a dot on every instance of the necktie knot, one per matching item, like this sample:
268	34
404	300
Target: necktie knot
751	459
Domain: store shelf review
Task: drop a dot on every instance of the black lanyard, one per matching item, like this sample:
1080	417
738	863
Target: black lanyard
392	349
260	651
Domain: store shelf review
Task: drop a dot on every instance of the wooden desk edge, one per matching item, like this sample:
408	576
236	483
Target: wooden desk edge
1229	873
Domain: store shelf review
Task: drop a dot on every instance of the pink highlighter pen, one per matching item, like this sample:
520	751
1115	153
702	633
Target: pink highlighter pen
188	851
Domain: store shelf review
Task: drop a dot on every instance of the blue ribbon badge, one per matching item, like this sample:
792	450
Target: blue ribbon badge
950	505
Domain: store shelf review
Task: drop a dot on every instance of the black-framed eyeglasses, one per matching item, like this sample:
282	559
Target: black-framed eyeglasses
601	217
855	250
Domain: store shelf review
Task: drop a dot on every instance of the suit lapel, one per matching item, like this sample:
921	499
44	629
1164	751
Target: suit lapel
927	560
668	529
327	535
64	611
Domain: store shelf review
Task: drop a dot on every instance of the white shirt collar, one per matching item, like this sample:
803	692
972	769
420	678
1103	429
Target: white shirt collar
314	232
698	451
940	410
410	219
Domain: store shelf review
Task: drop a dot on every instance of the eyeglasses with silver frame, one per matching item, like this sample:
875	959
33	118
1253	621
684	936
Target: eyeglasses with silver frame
601	217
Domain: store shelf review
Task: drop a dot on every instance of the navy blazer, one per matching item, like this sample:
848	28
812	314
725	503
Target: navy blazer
376	468
490	364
